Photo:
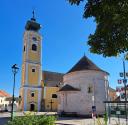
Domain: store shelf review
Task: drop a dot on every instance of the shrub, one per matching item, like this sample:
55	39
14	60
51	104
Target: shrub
105	118
29	119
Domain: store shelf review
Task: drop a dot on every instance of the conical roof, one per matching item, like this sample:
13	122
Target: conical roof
84	64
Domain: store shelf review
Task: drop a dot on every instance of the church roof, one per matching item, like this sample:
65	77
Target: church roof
32	24
84	64
52	79
68	88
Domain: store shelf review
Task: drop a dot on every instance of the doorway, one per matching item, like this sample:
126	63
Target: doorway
32	107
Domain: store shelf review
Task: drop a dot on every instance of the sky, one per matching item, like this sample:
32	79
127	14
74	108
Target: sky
65	34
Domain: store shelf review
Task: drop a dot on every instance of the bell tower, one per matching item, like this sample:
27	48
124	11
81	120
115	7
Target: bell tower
31	88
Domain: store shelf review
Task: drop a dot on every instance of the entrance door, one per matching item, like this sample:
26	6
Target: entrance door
32	107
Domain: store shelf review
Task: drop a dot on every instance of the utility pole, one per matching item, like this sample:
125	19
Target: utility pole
125	89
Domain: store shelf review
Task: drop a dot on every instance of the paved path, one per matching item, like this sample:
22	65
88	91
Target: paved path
78	121
4	117
3	121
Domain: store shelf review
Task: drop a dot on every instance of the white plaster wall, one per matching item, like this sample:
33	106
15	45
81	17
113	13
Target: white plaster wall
3	102
81	102
7	104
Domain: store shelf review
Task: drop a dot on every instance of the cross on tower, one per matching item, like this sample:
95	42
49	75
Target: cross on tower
33	16
33	12
51	104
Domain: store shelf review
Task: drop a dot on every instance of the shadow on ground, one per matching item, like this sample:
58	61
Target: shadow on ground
3	121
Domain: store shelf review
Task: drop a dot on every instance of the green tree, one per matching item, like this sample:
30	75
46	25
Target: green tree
111	34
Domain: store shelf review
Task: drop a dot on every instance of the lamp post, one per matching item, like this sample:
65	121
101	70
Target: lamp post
125	87
14	70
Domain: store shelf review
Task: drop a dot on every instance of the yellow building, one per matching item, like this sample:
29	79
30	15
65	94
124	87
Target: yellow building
35	96
50	98
31	86
52	82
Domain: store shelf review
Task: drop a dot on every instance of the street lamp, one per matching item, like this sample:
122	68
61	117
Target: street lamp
14	70
125	87
124	74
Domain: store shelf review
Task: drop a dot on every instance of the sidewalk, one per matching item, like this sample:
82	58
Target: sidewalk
78	121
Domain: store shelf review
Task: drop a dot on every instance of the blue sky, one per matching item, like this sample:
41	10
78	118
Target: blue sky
65	35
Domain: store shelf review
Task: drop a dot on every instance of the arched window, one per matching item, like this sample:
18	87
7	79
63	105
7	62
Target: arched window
24	48
89	89
34	47
34	38
32	94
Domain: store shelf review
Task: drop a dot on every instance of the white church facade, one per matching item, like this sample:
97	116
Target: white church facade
84	86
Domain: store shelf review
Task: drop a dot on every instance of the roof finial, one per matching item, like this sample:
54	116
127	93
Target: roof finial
33	12
33	15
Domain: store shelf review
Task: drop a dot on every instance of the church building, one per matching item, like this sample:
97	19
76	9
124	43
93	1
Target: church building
84	86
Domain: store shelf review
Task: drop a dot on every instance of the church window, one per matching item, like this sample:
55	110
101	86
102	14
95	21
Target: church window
54	95
33	70
24	48
89	89
34	47
34	38
32	94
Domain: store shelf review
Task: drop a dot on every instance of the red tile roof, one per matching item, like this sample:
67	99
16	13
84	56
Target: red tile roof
4	94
